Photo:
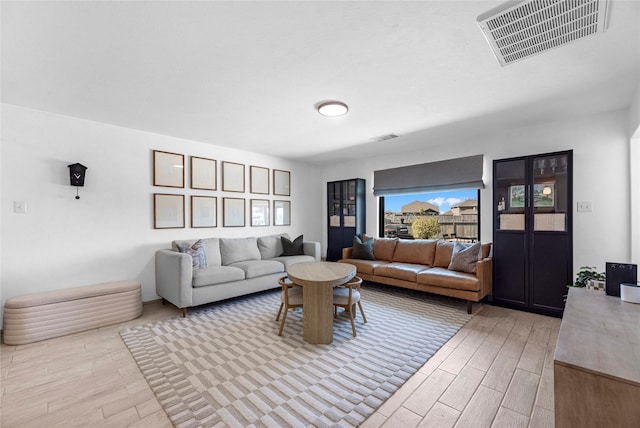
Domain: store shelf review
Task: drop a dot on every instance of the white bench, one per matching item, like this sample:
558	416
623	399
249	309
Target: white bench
39	316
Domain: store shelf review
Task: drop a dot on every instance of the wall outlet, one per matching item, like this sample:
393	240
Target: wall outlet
584	207
19	207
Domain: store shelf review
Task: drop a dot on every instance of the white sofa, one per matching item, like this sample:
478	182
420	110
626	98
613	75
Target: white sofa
235	267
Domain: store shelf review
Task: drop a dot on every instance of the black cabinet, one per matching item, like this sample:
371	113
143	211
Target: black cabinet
532	232
346	214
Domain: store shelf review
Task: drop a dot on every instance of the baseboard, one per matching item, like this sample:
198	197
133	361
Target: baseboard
152	302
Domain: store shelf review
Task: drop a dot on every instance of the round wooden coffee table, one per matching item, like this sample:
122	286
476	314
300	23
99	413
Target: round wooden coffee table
318	280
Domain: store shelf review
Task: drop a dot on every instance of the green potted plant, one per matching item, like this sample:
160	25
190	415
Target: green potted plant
588	277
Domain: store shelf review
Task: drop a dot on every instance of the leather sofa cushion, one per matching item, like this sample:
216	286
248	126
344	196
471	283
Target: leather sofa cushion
444	250
383	248
442	277
365	266
235	250
216	275
420	251
404	271
485	250
255	268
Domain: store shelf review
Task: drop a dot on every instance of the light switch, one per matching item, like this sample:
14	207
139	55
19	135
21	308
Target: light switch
19	207
584	206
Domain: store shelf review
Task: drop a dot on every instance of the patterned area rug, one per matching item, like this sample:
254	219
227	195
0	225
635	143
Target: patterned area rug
225	364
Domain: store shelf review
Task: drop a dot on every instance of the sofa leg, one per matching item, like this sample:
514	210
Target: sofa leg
469	307
184	312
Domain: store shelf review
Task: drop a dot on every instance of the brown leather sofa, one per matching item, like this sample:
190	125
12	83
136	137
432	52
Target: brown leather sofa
423	265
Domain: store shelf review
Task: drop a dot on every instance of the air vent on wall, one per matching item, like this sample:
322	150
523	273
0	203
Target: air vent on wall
520	29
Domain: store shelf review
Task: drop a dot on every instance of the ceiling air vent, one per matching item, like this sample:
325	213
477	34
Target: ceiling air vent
520	29
385	137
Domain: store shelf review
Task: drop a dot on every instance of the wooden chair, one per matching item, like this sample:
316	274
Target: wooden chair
346	296
291	298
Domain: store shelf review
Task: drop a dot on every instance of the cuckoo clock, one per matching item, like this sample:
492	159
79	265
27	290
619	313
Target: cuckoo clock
76	175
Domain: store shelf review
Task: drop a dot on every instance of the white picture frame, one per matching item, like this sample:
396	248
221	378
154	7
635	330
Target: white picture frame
168	211
259	212
233	212
281	213
281	182
232	177
168	169
204	211
259	180
203	173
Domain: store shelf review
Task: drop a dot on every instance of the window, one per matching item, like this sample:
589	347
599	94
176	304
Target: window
452	215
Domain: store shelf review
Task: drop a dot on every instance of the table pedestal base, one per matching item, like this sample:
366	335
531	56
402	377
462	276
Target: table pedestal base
317	304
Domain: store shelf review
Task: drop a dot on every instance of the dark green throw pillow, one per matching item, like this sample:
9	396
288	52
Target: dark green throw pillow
292	248
362	250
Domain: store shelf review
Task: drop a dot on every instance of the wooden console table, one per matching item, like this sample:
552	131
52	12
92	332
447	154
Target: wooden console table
597	362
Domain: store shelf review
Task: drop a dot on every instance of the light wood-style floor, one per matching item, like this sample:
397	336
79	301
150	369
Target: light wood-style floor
496	372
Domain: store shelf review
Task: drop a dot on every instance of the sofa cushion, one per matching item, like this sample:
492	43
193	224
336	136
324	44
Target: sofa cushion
420	251
216	275
270	246
365	266
256	268
442	277
486	250
404	271
212	245
235	250
292	260
465	257
362	249
383	248
444	250
198	253
292	248
214	258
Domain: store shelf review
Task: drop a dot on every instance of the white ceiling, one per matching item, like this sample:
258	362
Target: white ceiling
248	74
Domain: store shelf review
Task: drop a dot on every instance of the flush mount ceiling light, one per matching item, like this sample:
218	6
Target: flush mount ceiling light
332	108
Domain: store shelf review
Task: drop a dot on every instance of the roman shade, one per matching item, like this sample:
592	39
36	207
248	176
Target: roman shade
451	174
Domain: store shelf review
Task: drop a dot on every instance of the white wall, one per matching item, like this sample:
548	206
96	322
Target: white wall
634	161
634	164
108	233
601	175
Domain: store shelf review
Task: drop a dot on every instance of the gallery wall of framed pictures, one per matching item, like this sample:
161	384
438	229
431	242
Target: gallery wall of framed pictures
172	206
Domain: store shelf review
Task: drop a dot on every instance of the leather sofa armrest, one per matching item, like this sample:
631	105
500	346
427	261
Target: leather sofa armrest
174	277
312	248
484	273
346	252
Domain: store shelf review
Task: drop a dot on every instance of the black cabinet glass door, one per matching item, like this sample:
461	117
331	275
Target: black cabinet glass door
346	214
510	240
532	232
